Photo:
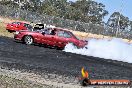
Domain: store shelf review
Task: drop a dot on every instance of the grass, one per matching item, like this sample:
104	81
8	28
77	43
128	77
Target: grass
84	35
3	31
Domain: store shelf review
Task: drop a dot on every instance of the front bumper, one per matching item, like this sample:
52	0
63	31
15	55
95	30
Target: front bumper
83	44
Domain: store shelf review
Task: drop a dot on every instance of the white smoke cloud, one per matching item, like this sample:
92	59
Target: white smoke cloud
114	49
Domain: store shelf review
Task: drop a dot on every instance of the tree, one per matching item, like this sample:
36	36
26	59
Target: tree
119	23
81	10
130	25
91	11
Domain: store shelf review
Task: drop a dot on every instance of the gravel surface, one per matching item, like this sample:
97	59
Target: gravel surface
47	61
8	82
18	79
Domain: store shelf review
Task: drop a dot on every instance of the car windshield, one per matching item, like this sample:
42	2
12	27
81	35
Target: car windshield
15	22
74	36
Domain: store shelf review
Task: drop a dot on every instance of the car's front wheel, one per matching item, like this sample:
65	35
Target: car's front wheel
28	40
75	46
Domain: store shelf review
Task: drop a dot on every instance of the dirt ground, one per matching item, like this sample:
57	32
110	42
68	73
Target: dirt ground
46	61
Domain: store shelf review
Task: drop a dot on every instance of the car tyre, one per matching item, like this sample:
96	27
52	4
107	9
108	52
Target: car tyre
28	40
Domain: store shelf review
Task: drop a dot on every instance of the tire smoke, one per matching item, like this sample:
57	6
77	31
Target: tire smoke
115	49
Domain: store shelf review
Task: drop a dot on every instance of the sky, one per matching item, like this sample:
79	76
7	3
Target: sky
122	6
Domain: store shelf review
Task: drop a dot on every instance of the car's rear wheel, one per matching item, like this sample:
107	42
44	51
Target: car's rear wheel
28	40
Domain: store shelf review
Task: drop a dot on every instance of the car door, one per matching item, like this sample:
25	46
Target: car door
63	37
49	39
42	38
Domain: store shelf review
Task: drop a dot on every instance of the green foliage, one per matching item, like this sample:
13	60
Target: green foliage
91	11
120	23
81	10
130	25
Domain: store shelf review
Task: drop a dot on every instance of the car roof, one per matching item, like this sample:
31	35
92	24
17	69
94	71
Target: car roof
61	29
20	22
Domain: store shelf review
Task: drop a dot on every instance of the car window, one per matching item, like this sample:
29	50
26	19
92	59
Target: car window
18	23
64	34
61	33
53	32
47	31
28	26
13	22
67	35
25	25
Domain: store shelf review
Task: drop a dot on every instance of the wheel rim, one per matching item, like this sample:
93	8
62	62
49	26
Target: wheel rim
28	40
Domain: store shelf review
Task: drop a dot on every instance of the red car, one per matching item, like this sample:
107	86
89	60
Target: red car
51	36
16	26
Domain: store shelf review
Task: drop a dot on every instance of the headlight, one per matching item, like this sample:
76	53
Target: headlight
17	32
